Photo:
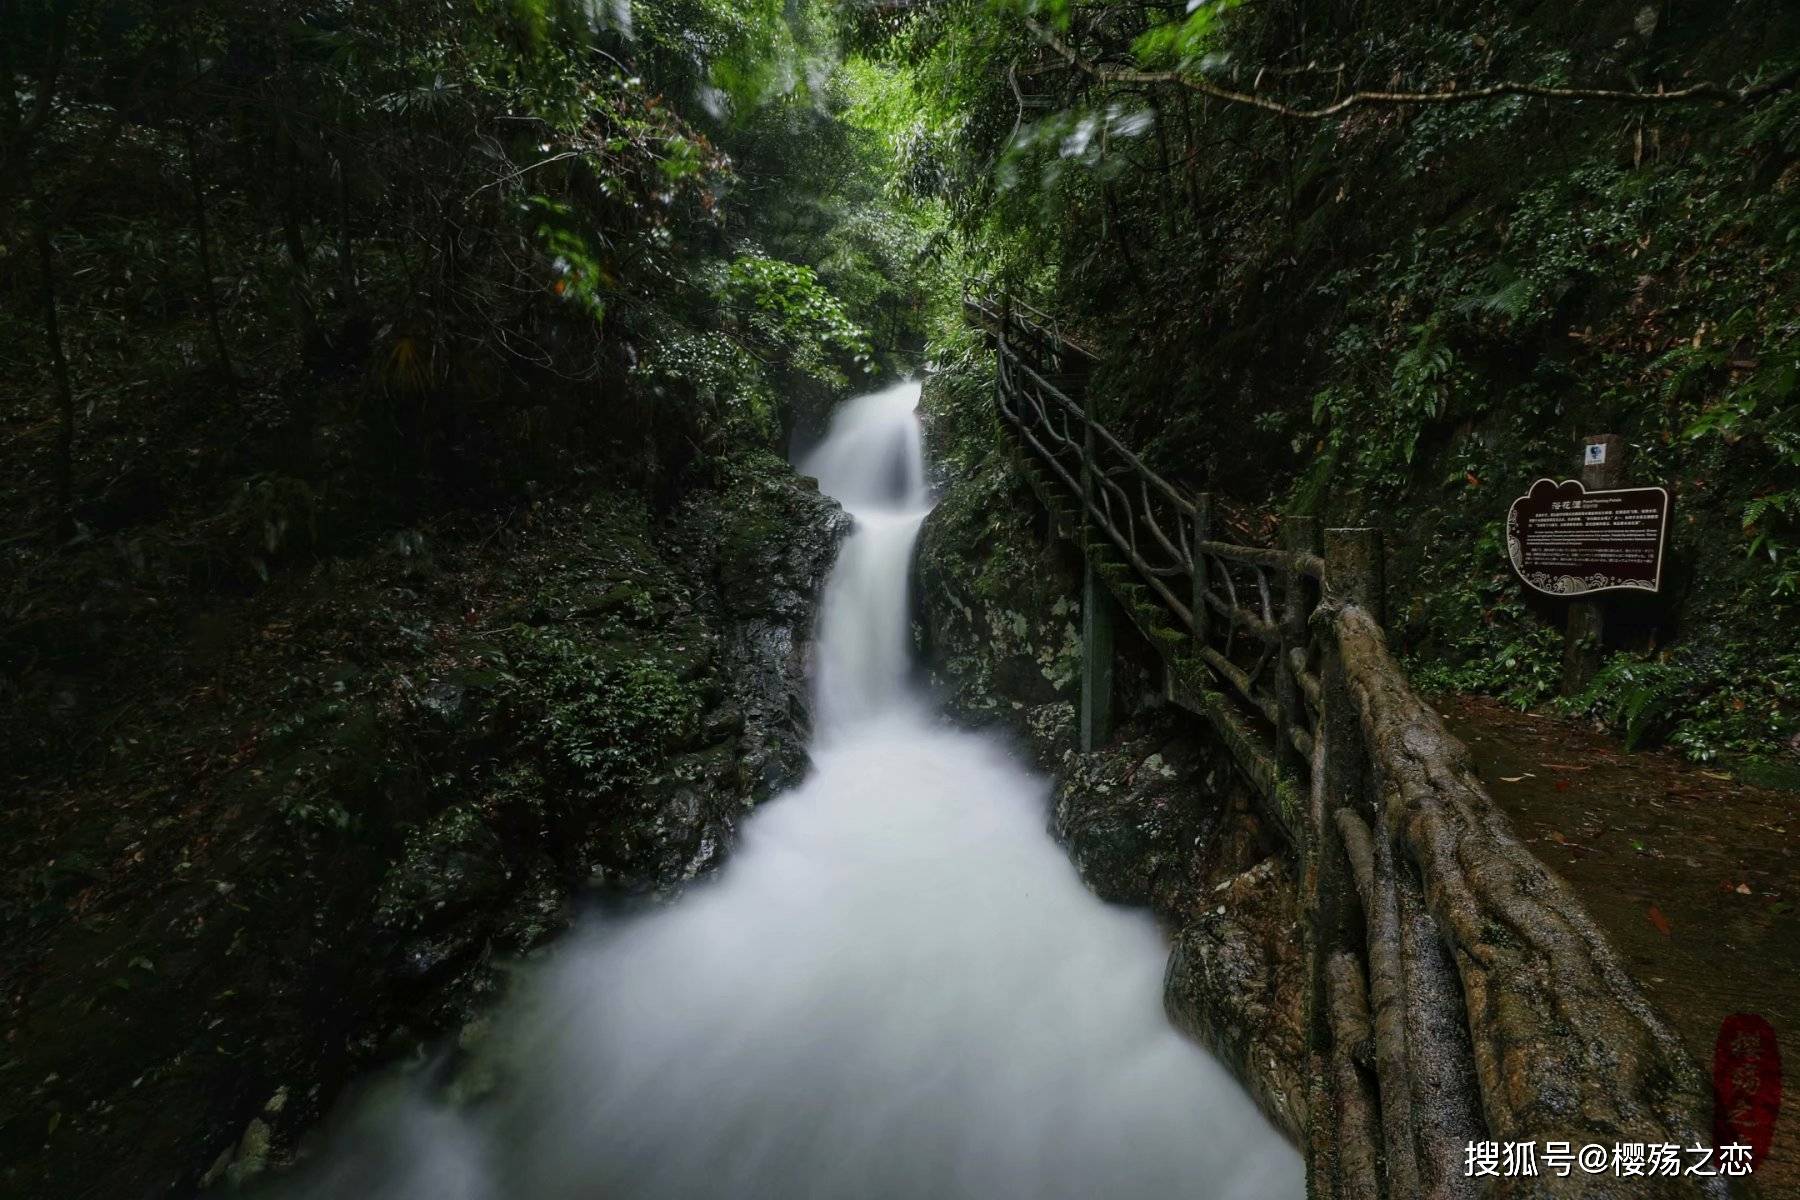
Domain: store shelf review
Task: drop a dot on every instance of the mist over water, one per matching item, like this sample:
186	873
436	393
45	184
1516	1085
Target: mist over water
897	986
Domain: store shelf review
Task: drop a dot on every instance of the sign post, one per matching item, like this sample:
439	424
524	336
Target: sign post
1602	466
1574	539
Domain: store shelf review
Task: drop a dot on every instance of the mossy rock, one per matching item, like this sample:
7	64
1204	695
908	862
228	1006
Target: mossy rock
451	864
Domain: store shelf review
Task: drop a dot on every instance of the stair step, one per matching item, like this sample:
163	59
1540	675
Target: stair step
1151	612
1168	635
1148	616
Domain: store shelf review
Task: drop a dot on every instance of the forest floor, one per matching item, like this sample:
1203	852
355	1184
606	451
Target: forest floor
1694	875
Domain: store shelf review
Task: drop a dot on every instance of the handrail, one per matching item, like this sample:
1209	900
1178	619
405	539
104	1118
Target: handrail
1456	990
1161	531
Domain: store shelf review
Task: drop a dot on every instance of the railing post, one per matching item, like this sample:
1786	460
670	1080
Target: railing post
1087	467
1354	571
1096	657
1096	607
1000	352
1325	899
1354	575
1202	532
1300	535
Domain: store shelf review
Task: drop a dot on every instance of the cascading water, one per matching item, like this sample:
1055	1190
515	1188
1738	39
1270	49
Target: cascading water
873	464
897	988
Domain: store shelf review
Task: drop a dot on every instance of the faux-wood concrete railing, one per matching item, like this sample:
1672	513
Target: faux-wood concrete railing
1458	992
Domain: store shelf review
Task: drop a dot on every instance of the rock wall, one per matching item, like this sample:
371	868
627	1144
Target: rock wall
1157	816
995	613
396	783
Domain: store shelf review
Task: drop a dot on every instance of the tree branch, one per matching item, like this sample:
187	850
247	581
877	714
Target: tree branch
1706	90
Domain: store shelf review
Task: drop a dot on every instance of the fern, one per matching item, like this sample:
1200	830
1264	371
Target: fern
1779	504
1508	296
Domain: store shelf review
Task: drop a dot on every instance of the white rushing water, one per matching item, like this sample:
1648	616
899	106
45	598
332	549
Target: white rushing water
897	987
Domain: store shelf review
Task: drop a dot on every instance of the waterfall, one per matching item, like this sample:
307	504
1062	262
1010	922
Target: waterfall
872	463
896	989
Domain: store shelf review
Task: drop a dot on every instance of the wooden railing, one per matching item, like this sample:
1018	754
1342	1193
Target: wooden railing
1241	609
1458	992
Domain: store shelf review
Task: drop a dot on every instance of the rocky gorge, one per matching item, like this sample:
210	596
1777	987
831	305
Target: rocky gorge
438	752
1157	817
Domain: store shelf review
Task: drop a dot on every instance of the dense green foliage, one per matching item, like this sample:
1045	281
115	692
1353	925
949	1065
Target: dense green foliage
286	281
1403	313
281	282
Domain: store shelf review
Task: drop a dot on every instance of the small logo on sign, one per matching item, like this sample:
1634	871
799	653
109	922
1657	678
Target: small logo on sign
1596	454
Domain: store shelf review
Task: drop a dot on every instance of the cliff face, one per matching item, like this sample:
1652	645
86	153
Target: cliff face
376	788
1156	817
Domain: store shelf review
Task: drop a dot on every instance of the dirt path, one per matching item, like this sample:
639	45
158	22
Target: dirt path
1695	876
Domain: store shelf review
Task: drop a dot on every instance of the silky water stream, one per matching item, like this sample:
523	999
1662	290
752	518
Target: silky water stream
896	987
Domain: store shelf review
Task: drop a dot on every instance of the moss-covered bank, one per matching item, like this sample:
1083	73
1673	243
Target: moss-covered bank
342	805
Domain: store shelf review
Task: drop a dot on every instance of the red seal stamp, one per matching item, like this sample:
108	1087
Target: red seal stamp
1746	1084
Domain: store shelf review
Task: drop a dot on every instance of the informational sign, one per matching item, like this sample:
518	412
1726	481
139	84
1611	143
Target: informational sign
1567	541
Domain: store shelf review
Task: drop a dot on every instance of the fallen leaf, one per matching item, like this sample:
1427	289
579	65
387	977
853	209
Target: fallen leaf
1657	919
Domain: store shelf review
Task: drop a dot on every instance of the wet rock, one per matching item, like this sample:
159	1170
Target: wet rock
1135	813
774	537
1235	981
677	830
474	1073
726	721
1051	731
451	865
249	1157
541	908
1158	818
997	622
435	911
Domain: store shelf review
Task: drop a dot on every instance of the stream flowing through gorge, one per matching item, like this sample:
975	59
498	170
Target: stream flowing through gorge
897	987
